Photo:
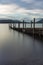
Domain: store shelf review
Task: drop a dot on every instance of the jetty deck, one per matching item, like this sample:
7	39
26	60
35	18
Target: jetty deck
31	31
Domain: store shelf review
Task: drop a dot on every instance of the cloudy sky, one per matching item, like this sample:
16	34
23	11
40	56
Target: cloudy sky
21	9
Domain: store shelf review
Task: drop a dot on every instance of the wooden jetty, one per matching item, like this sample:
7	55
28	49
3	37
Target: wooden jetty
31	31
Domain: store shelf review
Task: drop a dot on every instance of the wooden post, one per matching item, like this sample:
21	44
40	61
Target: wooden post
18	25
23	24
34	27
31	24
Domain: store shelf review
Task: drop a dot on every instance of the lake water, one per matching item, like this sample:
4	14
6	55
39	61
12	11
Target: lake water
18	48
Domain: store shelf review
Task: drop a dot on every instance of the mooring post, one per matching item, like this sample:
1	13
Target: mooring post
34	27
31	24
23	24
19	25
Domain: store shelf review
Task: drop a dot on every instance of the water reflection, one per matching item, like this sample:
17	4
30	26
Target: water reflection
18	48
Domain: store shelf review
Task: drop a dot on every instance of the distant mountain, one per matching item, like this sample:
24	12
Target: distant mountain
40	21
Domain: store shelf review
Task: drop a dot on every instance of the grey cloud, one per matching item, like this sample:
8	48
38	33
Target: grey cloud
35	4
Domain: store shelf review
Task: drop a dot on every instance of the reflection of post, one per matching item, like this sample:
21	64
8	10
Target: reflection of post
23	24
34	26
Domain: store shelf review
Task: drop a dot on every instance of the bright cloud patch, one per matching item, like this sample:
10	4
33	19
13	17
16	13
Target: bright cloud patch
15	11
7	9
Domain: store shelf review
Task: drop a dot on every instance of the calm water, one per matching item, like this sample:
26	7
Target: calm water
19	49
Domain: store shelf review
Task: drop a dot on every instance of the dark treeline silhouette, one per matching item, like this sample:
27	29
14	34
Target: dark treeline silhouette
17	21
9	21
